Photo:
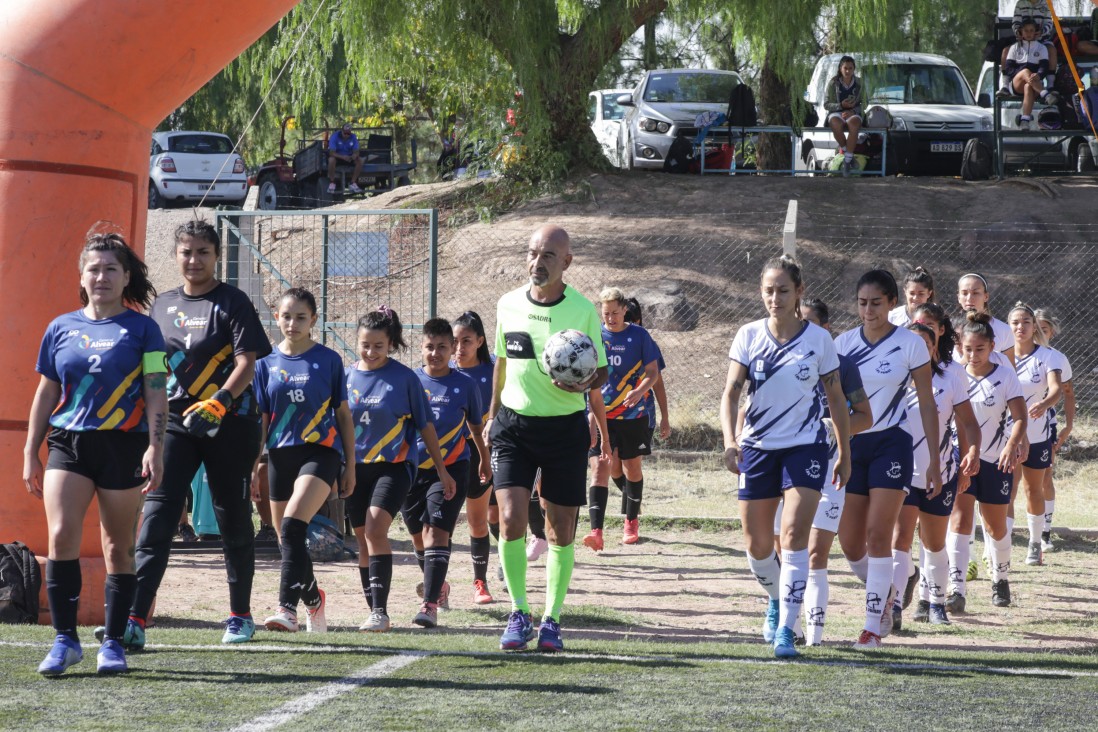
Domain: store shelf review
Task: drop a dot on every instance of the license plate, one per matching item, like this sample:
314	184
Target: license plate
205	186
947	147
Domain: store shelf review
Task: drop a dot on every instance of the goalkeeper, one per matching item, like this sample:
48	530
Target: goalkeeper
214	338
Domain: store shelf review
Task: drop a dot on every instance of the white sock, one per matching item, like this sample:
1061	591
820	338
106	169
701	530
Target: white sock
1050	506
959	550
848	155
798	629
1036	523
924	578
1010	529
860	568
794	579
815	605
877	584
767	572
901	570
936	574
1000	565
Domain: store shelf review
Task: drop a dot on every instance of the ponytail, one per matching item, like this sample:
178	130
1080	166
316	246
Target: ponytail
470	319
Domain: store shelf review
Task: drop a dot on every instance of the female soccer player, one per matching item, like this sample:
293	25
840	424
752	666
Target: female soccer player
388	407
918	288
302	398
102	398
974	294
432	506
932	512
213	337
996	396
889	359
1038	370
472	358
783	446
1050	327
634	369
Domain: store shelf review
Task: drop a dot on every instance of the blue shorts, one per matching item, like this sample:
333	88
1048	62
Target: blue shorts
991	485
884	459
940	505
767	473
1040	455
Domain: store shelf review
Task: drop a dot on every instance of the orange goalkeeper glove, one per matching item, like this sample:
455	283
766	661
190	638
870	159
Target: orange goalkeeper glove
203	419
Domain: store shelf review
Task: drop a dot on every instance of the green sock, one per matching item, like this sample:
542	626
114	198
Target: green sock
558	575
512	555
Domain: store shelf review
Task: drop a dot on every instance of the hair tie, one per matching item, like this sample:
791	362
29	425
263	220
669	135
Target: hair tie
386	311
977	276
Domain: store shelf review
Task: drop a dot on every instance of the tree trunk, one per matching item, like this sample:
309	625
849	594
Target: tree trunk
650	51
775	150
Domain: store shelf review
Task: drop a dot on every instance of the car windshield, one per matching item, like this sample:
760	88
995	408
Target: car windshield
200	144
916	84
697	88
610	107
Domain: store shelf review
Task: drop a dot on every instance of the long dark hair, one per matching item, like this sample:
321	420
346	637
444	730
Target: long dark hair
470	319
838	69
140	291
385	319
948	340
926	330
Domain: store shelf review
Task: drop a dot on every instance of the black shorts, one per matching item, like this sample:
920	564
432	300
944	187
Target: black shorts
557	445
384	485
109	458
425	505
630	438
476	488
287	464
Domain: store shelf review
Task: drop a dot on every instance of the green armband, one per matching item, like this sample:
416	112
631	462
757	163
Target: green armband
154	362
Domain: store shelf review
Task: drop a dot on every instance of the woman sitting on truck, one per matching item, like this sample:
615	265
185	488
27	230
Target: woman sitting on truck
844	109
1025	66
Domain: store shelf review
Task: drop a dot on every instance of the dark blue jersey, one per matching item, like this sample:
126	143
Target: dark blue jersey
481	374
301	394
389	407
627	353
100	365
455	404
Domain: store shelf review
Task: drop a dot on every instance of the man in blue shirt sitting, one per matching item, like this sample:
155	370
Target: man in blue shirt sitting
344	146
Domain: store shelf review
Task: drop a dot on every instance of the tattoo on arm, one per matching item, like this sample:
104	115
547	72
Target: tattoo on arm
157	381
160	428
856	397
830	379
737	385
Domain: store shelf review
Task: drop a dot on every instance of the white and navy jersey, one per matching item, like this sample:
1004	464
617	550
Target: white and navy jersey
950	389
785	406
1032	371
898	316
1030	55
1059	363
886	368
989	396
1004	340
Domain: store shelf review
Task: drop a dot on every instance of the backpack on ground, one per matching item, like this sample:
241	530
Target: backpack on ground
679	156
20	583
325	540
835	165
878	118
976	161
741	107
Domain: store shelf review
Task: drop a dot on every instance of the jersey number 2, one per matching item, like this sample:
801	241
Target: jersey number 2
93	363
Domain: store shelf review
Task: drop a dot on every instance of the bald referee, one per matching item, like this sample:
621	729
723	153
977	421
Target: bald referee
537	423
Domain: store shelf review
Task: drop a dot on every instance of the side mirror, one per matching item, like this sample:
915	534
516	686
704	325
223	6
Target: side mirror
625	100
984	100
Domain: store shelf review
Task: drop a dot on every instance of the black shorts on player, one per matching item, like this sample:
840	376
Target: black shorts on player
384	485
476	489
106	457
287	464
425	504
630	438
557	445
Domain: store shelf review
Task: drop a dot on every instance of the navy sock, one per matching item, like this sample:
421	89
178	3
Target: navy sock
63	585
437	561
364	578
598	497
479	547
635	491
381	576
118	593
296	565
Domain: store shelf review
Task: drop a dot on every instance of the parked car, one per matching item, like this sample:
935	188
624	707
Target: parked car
931	104
605	115
190	166
664	106
1061	150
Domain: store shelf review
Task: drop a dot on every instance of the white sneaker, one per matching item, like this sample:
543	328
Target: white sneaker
868	640
535	548
376	623
283	621
331	188
353	188
315	621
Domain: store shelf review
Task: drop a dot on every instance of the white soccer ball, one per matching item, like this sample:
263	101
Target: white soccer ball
570	357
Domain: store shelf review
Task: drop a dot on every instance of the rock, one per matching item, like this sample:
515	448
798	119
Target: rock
666	307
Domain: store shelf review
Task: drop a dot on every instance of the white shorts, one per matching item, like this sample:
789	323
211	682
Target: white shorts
833	115
829	510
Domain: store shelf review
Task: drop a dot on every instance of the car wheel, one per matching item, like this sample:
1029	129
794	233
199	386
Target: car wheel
1083	158
155	199
812	161
273	194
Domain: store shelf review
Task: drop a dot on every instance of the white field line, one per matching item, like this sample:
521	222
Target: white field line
307	702
868	663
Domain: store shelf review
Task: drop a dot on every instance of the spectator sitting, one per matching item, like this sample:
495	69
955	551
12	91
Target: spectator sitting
344	146
1025	66
1038	11
844	109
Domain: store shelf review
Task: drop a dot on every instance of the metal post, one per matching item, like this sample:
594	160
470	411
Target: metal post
997	122
433	301
232	252
324	279
789	233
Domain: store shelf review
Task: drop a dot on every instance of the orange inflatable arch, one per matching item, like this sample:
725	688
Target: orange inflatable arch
82	85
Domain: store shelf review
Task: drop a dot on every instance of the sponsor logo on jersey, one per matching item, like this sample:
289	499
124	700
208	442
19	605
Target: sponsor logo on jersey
286	378
540	318
101	344
182	321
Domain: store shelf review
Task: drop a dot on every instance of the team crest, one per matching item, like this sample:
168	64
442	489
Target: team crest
816	616
895	471
833	511
873	603
813	470
1044	456
803	372
989	400
795	591
1005	490
884	367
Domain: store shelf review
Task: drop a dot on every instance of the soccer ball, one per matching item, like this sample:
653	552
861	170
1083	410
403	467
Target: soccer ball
570	357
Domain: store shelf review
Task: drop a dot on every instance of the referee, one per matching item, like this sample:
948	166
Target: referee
536	423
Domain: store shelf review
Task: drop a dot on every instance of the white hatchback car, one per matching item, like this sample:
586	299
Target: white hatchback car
187	166
605	115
